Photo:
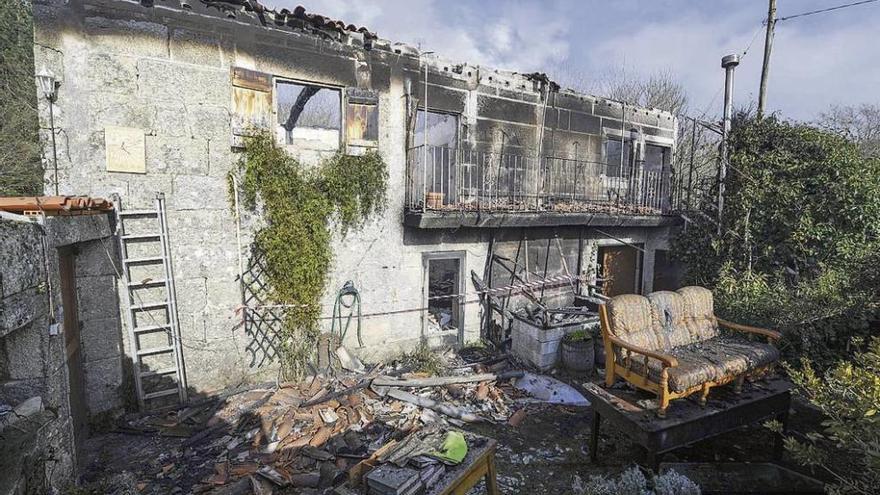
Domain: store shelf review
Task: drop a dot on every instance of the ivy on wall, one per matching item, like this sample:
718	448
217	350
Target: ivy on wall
301	206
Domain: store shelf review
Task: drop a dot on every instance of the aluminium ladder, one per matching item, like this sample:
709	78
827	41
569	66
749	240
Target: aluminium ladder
141	319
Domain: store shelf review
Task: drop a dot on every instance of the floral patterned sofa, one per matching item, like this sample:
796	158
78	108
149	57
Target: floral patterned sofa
671	343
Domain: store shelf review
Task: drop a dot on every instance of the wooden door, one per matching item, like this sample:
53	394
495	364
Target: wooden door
73	349
619	267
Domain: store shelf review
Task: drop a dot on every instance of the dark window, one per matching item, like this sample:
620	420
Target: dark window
615	166
655	157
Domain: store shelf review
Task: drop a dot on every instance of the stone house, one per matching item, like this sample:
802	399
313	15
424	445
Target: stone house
155	96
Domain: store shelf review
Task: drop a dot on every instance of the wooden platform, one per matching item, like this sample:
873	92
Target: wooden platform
686	421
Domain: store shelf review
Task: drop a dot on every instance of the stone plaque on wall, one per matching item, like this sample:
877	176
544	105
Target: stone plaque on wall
125	150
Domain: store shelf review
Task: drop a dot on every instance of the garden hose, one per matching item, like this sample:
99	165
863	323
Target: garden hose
353	304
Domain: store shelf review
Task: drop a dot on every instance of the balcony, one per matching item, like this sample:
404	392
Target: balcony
448	188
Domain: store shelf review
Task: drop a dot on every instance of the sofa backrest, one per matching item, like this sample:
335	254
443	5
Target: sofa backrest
700	312
663	320
630	318
669	311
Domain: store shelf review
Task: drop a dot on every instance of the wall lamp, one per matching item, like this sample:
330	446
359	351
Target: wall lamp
48	89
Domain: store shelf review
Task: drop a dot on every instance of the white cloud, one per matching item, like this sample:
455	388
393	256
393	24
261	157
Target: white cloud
521	36
817	60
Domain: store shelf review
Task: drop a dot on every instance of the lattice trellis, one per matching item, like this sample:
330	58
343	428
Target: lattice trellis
262	324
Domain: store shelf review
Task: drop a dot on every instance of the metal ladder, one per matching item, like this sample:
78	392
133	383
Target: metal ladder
168	324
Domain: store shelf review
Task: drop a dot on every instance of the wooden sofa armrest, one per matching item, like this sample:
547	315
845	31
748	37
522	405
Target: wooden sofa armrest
667	360
770	334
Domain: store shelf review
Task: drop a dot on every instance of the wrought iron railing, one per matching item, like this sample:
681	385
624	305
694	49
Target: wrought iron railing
444	179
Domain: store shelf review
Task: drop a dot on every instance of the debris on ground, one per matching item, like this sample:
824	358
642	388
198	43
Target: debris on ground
320	433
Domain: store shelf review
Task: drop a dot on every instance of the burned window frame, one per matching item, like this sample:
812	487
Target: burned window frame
356	97
457	139
283	134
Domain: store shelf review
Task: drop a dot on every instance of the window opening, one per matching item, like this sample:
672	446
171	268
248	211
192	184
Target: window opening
310	113
444	307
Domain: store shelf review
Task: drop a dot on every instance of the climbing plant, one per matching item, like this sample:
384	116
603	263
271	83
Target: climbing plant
301	206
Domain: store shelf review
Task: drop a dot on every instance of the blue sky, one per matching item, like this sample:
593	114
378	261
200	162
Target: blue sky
819	60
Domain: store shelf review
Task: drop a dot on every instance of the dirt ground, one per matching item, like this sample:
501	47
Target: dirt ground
545	454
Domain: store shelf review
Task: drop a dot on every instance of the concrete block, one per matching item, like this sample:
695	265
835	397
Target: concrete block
164	80
103	380
63	231
97	298
101	339
23	310
142	189
205	194
538	346
191	295
195	48
145	39
122	110
171	118
221	157
22	266
112	73
177	156
97	258
209	121
23	351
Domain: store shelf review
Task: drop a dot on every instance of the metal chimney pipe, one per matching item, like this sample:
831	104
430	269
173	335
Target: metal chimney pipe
729	63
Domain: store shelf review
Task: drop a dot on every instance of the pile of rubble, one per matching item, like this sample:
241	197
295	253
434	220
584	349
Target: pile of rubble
321	434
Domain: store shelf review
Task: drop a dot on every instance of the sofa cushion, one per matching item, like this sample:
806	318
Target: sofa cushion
709	360
699	312
669	311
632	320
736	355
692	369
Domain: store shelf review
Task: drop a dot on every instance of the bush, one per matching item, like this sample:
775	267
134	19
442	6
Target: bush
633	482
848	395
801	233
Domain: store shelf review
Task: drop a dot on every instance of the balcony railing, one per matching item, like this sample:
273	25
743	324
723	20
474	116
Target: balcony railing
444	179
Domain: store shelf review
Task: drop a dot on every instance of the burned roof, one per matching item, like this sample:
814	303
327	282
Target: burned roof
297	18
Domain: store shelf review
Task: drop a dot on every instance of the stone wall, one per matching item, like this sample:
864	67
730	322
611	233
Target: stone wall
41	451
167	72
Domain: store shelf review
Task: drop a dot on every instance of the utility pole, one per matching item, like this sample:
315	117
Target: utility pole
729	63
765	69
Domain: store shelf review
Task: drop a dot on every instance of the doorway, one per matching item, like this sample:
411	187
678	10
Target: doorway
620	270
443	289
73	349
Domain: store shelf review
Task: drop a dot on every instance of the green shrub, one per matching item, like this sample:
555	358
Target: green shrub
801	233
848	394
299	205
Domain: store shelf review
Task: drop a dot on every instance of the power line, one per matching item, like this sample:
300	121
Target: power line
820	11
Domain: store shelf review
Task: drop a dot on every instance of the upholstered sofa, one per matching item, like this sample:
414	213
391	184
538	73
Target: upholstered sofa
671	343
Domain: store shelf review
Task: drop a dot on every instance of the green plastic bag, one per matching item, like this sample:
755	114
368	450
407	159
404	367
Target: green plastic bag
454	448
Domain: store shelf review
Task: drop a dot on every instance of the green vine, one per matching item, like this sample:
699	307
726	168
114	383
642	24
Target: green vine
301	205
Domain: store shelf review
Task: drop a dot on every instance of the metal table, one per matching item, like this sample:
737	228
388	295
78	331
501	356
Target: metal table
687	422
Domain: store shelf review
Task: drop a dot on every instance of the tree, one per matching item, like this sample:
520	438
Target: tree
655	90
20	165
859	124
801	233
